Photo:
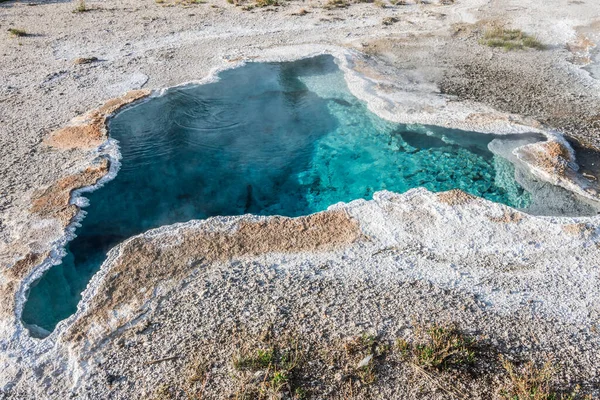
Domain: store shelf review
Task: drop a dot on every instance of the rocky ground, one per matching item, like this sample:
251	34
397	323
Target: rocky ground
354	282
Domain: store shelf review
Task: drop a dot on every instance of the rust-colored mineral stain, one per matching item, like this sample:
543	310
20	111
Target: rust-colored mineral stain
508	217
113	105
89	131
550	156
23	267
580	48
577	229
85	136
54	201
11	279
145	261
555	150
455	197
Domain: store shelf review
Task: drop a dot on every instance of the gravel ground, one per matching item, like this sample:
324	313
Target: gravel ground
382	268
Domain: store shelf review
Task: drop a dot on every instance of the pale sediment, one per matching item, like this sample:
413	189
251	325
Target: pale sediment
109	309
528	283
468	248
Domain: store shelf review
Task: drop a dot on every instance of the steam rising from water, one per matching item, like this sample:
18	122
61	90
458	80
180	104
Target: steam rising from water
280	138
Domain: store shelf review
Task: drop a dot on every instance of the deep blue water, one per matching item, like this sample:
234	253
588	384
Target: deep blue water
280	138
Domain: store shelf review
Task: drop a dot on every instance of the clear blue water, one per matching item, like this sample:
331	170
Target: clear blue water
280	138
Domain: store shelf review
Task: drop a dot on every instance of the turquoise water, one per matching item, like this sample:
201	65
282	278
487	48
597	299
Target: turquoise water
280	138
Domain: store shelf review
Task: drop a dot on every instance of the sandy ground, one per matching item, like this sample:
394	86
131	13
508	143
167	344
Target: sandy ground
428	63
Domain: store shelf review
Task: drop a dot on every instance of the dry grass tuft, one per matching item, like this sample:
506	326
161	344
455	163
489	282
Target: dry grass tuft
266	3
531	382
84	60
332	4
363	354
286	366
441	348
182	3
273	371
528	382
17	32
81	7
510	39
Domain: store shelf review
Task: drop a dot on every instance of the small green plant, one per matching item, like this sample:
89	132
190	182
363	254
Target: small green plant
403	347
331	4
81	7
367	339
164	391
360	343
17	32
279	379
510	39
300	394
443	347
266	3
279	366
365	352
367	374
262	358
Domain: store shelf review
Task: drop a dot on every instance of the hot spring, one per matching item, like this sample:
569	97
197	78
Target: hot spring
267	138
